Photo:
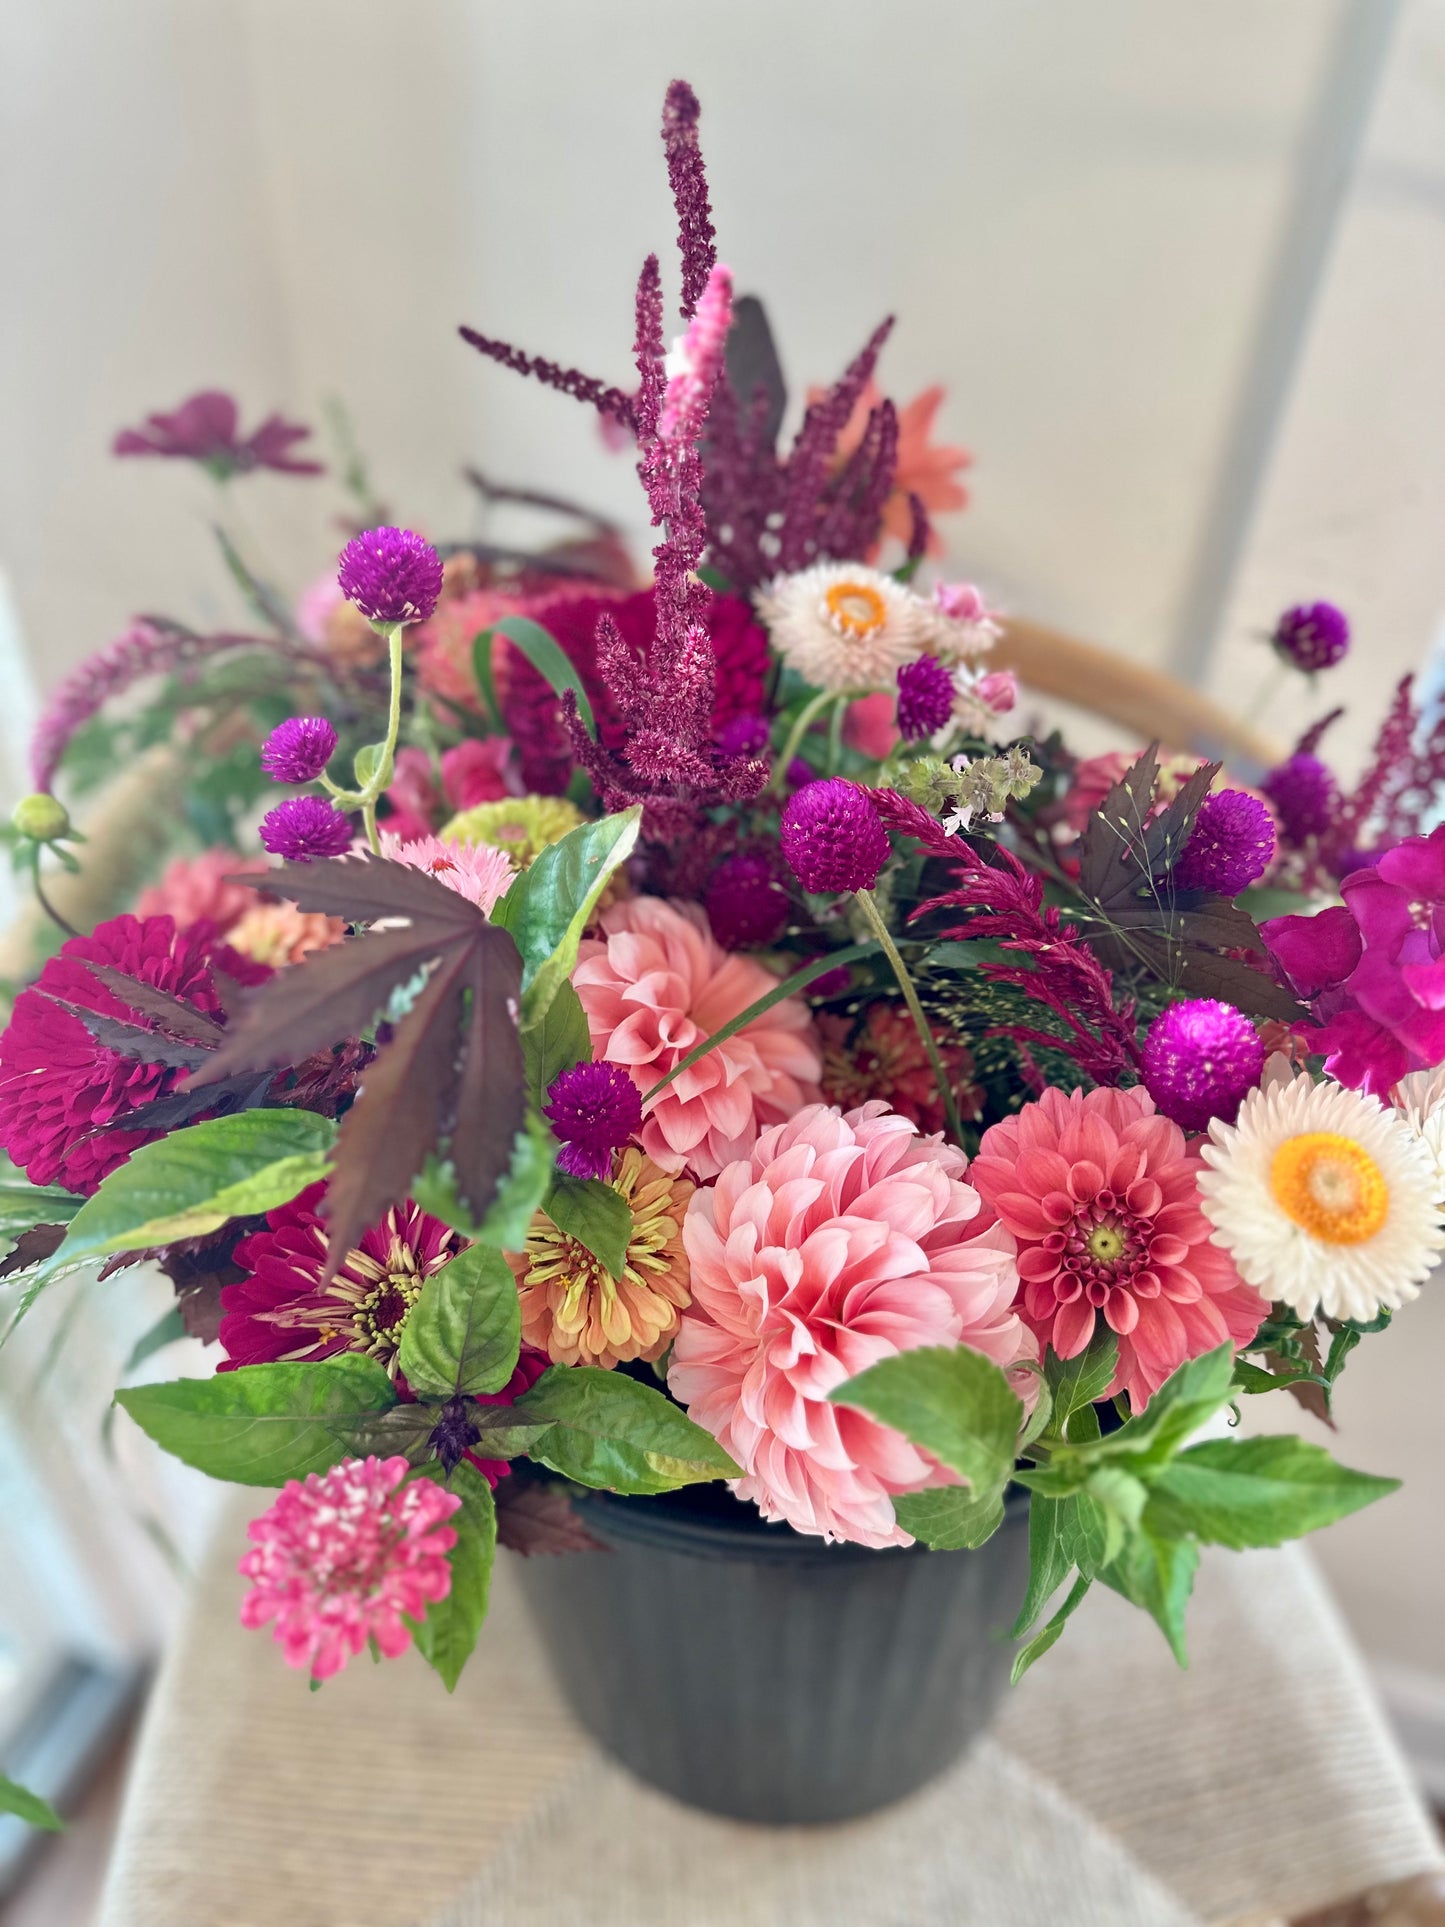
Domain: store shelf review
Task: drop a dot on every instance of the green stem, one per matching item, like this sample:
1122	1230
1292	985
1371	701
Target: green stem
910	997
803	721
384	769
46	905
835	735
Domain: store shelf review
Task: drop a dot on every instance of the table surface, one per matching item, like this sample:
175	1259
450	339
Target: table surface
1114	1788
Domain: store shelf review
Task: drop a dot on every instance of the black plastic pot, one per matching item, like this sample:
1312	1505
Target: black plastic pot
759	1673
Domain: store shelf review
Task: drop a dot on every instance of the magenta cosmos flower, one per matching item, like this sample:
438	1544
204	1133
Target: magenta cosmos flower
347	1556
840	1241
206	429
1373	971
58	1086
1102	1194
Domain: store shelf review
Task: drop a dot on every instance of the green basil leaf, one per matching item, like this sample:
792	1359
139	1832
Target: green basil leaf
1041	1642
29	1807
553	900
264	1424
446	1637
545	654
953	1402
22	1205
1256	1492
949	1518
1076	1383
1183	1403
1157	1574
1051	1558
595	1214
464	1331
519	1195
557	1041
611	1432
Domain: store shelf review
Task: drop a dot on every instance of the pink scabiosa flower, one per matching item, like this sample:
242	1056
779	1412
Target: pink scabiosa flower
392	575
654	984
840	1241
299	749
1230	846
1102	1194
282	1310
58	1086
594	1110
477	871
304	828
833	836
1200	1057
348	1556
206	429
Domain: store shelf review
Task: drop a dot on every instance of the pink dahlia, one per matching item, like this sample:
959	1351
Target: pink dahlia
477	871
840	1241
656	983
1101	1193
194	888
58	1085
282	1310
346	1556
445	649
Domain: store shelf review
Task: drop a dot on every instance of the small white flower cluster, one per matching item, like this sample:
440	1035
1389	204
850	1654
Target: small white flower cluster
845	628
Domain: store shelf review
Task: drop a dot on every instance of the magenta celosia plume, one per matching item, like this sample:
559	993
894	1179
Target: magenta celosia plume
657	982
1101	1193
347	1556
840	1241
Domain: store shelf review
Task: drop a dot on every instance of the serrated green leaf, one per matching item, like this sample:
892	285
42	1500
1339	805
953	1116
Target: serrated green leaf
446	1637
1050	1562
264	1424
555	1043
949	1518
519	1195
1256	1492
1077	1382
1041	1642
464	1332
595	1214
29	1807
546	656
1185	1401
953	1402
611	1432
553	900
1157	1574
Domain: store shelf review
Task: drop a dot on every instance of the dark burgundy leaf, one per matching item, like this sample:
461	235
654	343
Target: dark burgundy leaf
243	1092
171	1014
490	1105
751	361
41	1241
362	888
1108	867
1204	973
537	1516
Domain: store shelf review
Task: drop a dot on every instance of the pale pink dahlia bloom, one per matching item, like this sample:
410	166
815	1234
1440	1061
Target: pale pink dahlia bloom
195	887
657	982
841	1241
1102	1193
477	871
349	1555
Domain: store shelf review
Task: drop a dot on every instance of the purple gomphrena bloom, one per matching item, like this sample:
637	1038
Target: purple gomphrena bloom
595	1110
1230	846
305	827
1315	635
746	903
1199	1060
833	836
925	698
743	736
800	773
391	575
1305	794
298	750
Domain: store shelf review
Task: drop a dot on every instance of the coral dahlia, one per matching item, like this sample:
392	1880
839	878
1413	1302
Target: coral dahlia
840	1241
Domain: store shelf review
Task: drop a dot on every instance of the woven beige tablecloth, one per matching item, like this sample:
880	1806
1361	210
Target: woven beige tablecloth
1115	1790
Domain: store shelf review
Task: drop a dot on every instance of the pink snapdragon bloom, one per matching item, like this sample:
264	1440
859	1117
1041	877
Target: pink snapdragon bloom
657	982
346	1556
477	871
473	772
840	1241
1101	1193
1374	970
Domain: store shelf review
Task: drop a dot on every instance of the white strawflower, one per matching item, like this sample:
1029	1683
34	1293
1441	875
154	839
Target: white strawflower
1324	1199
1420	1101
843	626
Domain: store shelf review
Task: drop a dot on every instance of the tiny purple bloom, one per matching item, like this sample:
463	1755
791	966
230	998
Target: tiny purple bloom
1230	845
743	736
746	902
833	836
1313	636
1304	793
800	773
298	750
303	828
595	1110
925	698
391	575
1200	1058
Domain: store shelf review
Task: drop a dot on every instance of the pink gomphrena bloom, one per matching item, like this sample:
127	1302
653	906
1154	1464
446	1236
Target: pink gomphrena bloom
346	1556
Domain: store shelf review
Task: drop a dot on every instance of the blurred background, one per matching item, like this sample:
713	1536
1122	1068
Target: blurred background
1180	267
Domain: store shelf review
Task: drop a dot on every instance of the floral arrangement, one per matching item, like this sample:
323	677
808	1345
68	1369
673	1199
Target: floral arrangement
702	1039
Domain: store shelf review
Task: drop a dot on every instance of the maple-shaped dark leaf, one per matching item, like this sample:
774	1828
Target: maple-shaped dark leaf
170	1014
140	1041
1196	972
243	1092
41	1241
535	1515
452	1070
1124	854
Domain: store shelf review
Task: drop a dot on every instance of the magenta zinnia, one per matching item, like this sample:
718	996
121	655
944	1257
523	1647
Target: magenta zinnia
283	1310
346	1556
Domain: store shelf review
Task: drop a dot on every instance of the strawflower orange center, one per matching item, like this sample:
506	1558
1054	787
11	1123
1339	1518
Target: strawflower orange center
1330	1186
856	608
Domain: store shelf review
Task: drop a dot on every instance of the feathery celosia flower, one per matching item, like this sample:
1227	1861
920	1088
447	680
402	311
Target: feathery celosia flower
473	772
1304	793
1199	1059
282	1310
392	575
304	828
347	1556
656	983
842	626
193	888
58	1086
523	826
1230	846
839	1242
206	429
747	905
1102	1194
299	749
477	871
575	1311
833	836
1324	1199
595	1109
1313	636
884	1058
925	698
